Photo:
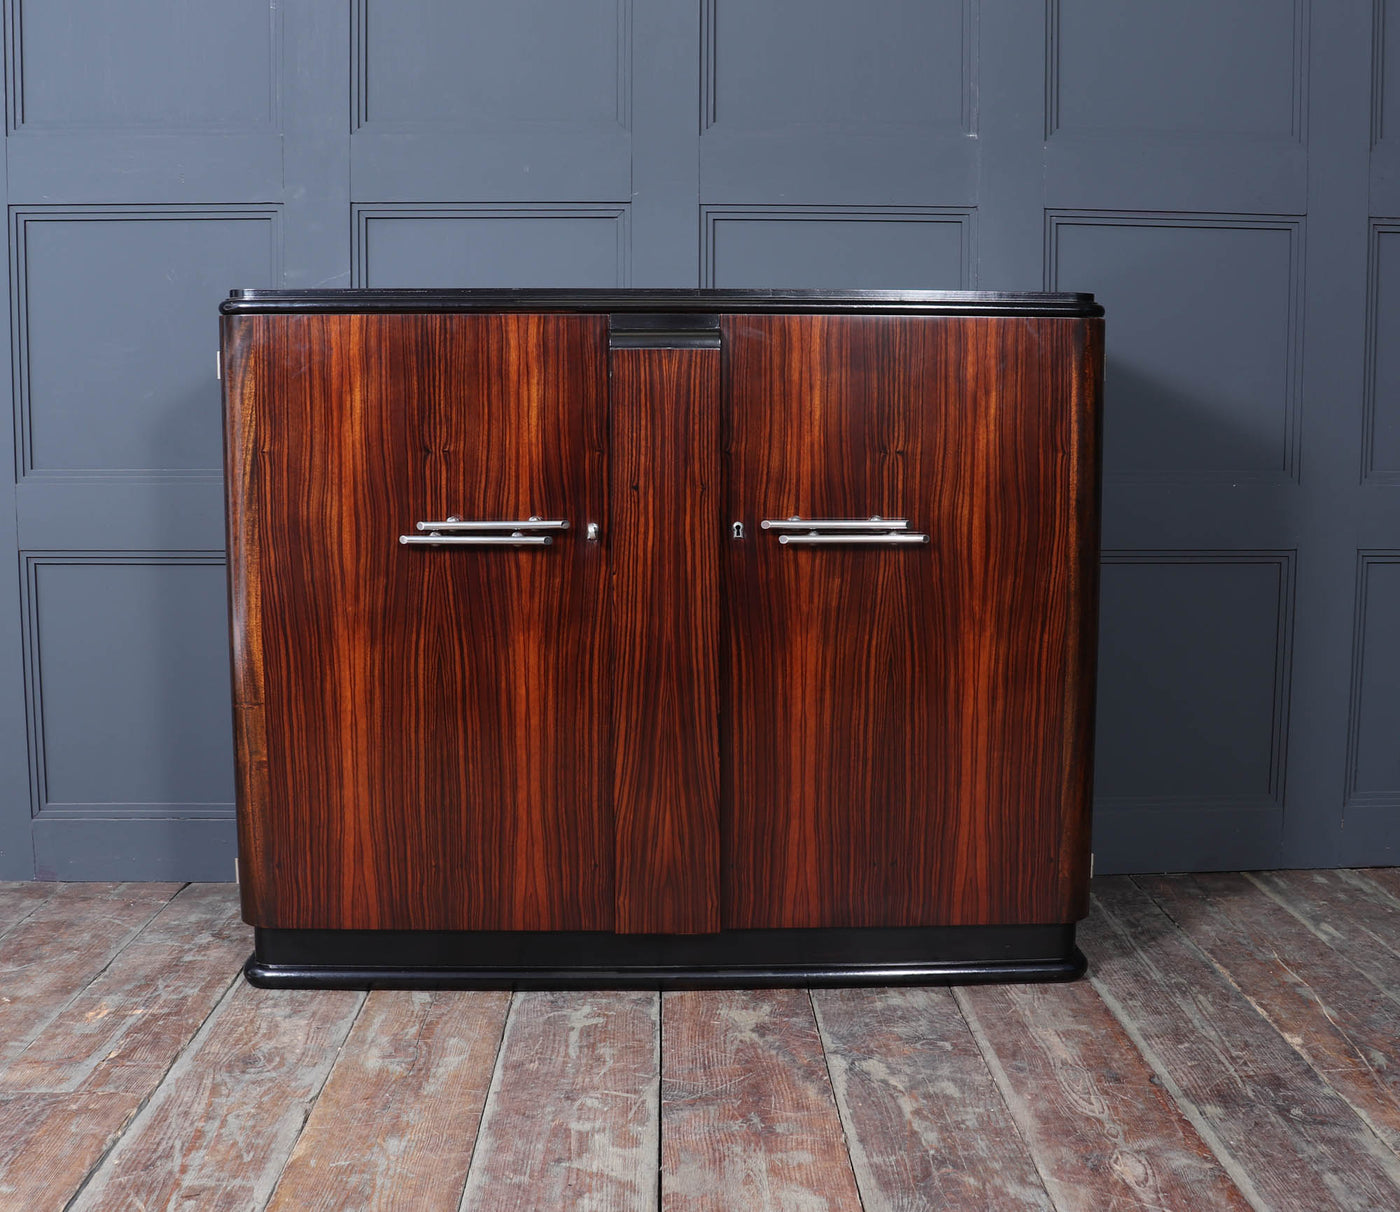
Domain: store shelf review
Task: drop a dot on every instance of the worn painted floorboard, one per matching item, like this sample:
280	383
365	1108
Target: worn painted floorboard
1103	1131
571	1121
217	1132
51	956
1347	1027
1235	1046
1293	1139
748	1118
18	901
125	1029
925	1124
49	1142
396	1124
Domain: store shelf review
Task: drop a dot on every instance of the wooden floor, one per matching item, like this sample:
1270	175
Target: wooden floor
1237	1045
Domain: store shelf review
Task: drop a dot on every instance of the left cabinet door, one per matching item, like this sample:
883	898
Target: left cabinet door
421	729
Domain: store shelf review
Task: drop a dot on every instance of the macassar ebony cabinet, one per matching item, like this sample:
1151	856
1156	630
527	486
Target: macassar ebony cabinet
662	638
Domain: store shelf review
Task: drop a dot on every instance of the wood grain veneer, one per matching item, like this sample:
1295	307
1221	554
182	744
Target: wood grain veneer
433	719
665	548
908	727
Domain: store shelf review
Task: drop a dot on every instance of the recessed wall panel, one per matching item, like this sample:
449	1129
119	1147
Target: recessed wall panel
833	103
814	248
1200	67
129	699
1385	120
1373	759
1381	454
830	63
161	64
114	340
445	63
1204	358
519	247
1193	679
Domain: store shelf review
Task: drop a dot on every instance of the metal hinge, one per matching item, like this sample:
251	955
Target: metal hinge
219	364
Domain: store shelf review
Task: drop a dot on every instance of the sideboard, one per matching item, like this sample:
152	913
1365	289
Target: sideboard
662	638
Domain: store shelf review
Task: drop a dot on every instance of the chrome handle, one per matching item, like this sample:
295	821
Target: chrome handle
517	539
886	531
531	523
813	539
876	523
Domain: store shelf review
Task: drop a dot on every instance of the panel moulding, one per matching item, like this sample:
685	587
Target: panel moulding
1290	416
1378	71
14	93
360	84
964	217
21	218
368	213
1370	473
1273	800
40	807
1298	117
709	54
1353	798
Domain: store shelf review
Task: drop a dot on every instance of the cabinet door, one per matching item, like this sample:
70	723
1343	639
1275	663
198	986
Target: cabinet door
423	729
906	731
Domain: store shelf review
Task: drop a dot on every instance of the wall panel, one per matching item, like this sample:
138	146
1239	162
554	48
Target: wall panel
157	154
1380	454
129	702
821	101
1199	105
111	333
1373	758
814	247
1205	366
491	246
517	102
1195	651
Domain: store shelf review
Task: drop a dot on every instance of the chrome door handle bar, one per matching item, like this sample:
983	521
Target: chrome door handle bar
876	523
814	539
528	524
488	534
813	532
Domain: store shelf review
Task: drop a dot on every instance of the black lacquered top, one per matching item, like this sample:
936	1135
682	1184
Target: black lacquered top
907	302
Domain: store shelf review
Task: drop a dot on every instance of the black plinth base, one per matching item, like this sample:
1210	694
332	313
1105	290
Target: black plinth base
734	959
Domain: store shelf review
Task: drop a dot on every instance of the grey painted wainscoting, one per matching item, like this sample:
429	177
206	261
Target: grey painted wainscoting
1225	174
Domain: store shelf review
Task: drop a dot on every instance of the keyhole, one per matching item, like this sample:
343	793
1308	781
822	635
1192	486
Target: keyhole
737	530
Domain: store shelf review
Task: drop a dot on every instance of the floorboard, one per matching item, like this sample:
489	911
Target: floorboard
49	1142
1293	1140
1237	1045
1348	911
1345	1026
125	1029
571	1121
748	1119
18	901
218	1130
1103	1131
397	1122
1385	878
50	957
924	1121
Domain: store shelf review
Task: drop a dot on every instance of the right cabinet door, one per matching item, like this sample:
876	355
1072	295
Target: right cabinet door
906	727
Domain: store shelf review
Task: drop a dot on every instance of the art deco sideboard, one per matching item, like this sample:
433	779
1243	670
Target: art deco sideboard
662	638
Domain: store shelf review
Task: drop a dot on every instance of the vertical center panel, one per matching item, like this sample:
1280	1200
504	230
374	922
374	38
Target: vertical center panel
665	540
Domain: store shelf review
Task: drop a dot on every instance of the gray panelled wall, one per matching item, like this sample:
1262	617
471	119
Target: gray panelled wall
1225	174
